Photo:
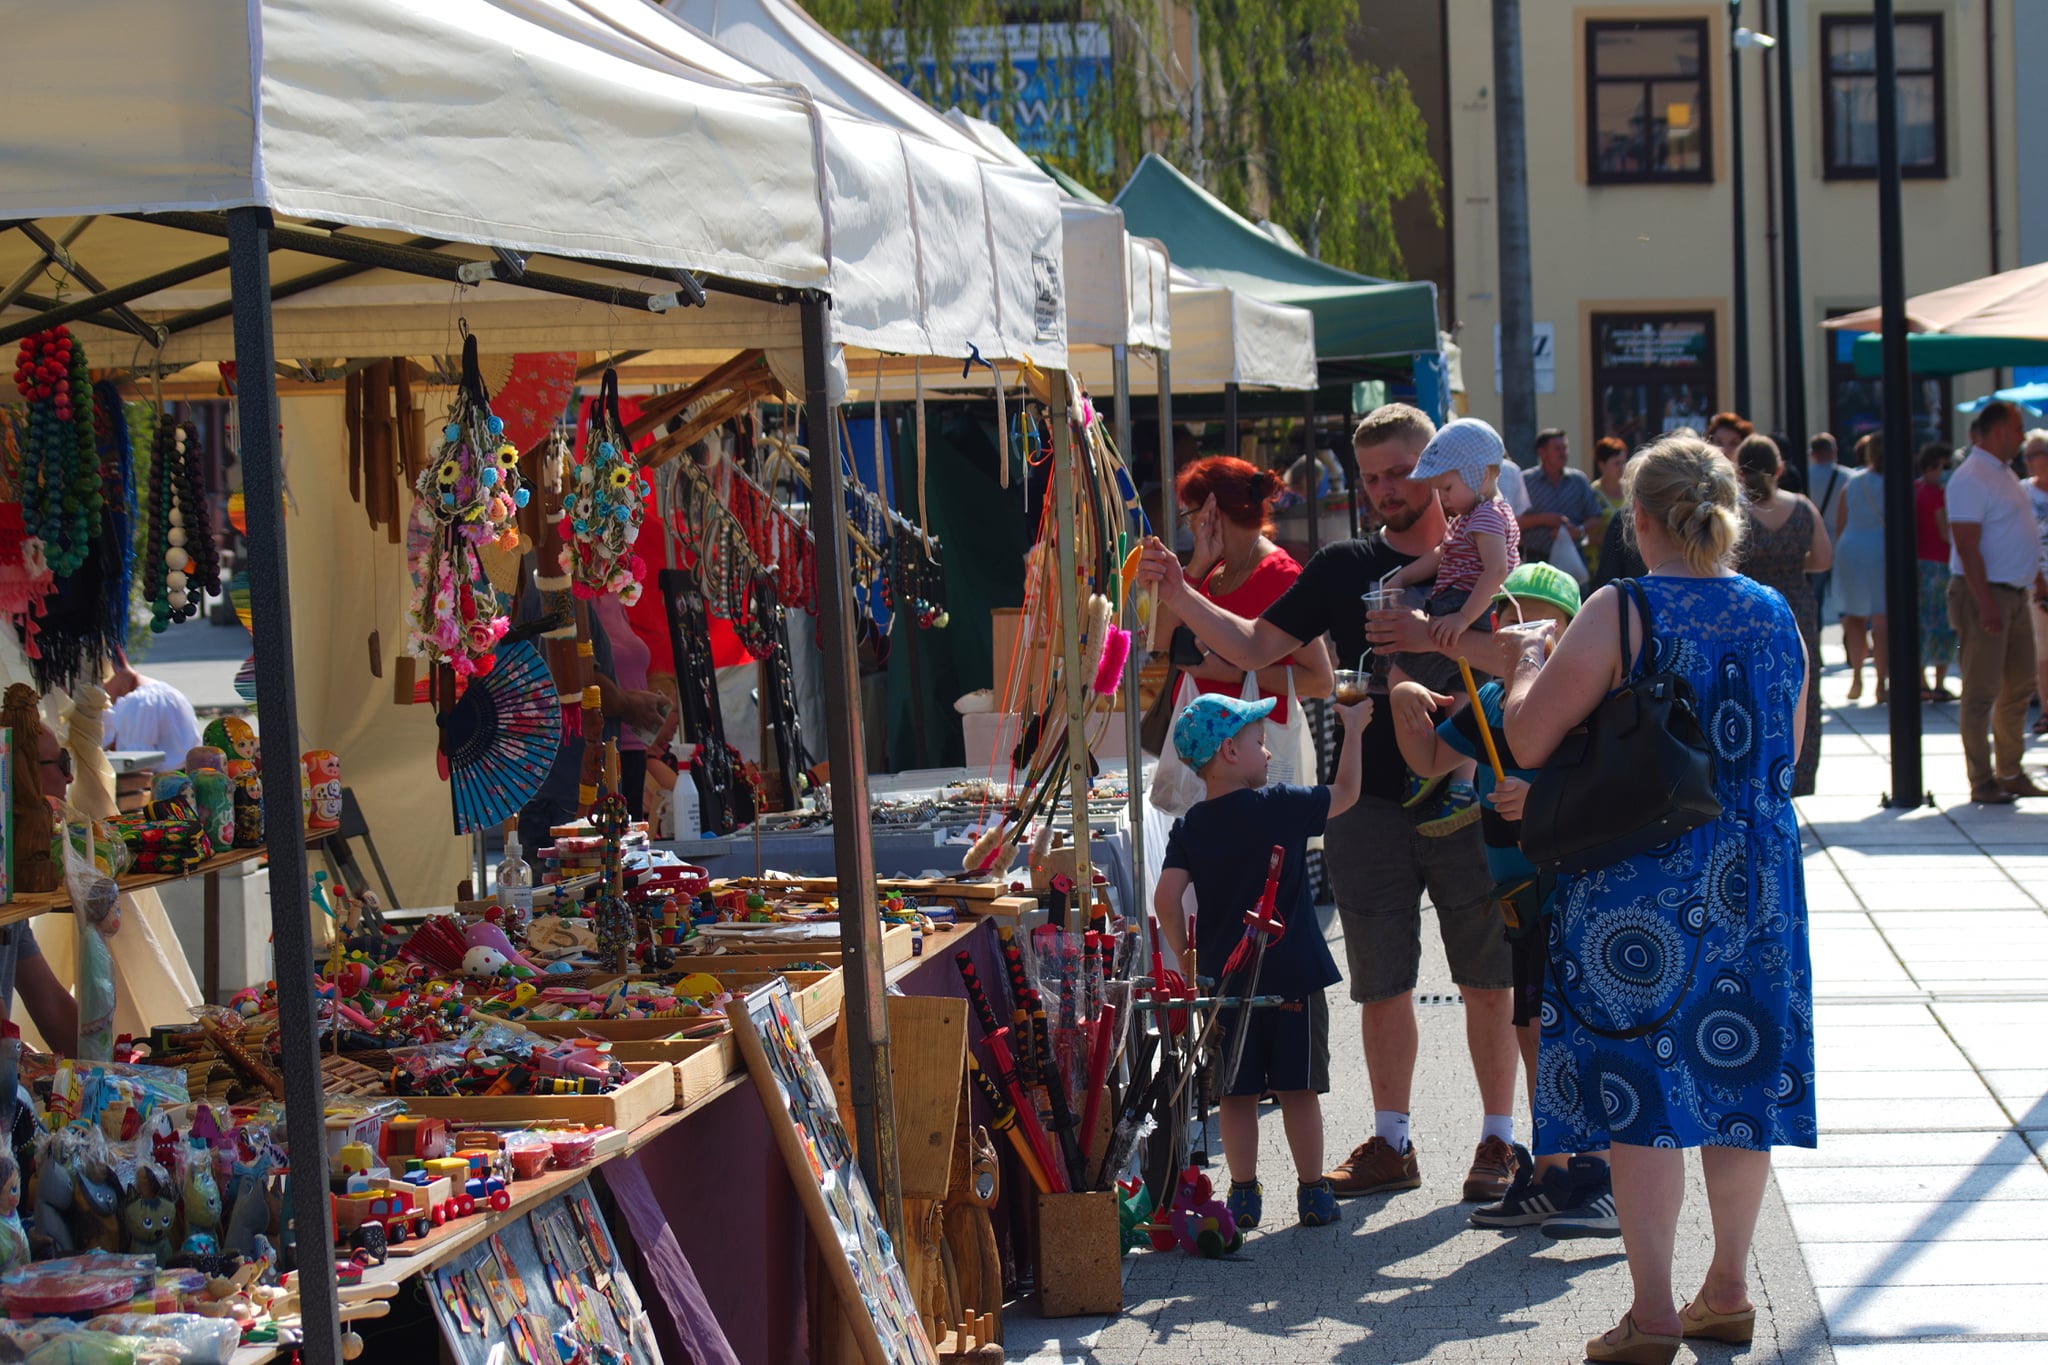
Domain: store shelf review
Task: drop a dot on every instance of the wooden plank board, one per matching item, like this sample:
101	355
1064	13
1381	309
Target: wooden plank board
916	886
927	1063
28	905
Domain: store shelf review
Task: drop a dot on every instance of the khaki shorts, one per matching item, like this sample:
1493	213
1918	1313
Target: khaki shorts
2040	634
1380	866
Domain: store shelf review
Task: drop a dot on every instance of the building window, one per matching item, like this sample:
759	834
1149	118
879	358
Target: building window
1652	372
1646	102
1856	406
1849	106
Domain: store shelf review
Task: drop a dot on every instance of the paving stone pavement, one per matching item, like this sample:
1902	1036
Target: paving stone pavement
1917	1233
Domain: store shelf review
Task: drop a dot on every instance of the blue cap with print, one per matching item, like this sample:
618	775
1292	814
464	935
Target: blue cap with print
1209	720
1466	447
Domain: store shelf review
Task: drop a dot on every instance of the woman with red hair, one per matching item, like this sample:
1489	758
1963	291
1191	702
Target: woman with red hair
1228	504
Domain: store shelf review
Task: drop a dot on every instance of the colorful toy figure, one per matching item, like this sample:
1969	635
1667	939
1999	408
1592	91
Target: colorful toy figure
202	1199
322	790
238	744
150	1212
13	1238
216	797
1201	1223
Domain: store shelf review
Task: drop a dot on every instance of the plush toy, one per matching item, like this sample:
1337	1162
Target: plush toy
1201	1223
150	1212
202	1202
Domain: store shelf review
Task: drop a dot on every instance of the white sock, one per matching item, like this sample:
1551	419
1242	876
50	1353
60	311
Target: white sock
1501	1126
1392	1126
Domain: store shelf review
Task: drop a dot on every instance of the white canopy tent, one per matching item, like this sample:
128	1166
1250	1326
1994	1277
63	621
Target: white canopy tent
1221	336
1003	233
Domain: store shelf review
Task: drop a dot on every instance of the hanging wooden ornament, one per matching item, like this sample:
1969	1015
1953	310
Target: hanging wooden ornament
604	504
468	497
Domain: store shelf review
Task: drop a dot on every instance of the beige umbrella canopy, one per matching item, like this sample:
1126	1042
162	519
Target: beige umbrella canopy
2013	303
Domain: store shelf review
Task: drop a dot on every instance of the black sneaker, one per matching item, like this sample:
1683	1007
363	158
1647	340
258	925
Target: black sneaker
1528	1201
1591	1213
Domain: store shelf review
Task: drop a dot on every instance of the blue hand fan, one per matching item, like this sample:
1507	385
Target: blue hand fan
500	738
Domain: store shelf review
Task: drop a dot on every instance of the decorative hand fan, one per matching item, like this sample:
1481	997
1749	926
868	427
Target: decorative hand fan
238	597
500	737
245	680
534	394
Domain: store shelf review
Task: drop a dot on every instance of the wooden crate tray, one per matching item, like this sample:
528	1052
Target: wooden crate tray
701	1064
897	942
651	1092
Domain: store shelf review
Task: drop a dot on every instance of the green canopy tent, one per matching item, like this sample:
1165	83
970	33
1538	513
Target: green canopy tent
1943	353
1357	317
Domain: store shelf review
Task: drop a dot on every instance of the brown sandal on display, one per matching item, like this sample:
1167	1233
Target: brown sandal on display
1697	1322
1635	1346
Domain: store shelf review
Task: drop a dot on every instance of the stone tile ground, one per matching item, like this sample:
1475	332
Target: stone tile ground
1916	1234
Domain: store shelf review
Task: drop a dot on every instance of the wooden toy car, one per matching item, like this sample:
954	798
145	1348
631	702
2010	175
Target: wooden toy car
398	1209
415	1135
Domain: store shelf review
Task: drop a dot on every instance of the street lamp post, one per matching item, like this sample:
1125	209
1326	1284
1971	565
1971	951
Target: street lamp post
1739	39
1793	419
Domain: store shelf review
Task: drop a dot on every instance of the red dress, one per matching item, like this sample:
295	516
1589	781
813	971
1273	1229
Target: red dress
1929	500
1268	580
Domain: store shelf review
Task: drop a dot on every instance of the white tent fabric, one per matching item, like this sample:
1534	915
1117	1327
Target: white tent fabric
998	237
1116	283
465	122
899	284
1223	337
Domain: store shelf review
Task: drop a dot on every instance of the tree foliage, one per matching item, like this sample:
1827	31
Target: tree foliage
1294	128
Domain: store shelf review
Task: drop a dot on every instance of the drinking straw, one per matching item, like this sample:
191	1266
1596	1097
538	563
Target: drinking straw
1479	714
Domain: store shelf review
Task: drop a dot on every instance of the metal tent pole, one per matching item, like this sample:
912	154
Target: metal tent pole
1065	520
1134	752
291	930
1901	573
1169	508
865	1020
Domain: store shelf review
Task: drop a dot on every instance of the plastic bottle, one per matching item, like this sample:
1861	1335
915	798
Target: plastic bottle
515	887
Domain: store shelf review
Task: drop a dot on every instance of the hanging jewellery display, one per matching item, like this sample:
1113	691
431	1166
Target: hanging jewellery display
180	562
604	504
468	497
60	468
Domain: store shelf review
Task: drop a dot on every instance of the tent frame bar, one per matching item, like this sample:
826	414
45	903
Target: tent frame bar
106	307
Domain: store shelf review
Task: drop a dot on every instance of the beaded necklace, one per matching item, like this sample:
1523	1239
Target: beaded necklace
60	468
178	550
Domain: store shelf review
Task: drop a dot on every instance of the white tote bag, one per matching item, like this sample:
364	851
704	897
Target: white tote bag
1175	787
1291	743
1564	554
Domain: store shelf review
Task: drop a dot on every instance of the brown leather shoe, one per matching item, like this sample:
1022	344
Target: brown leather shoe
1993	795
2022	785
1493	1170
1374	1167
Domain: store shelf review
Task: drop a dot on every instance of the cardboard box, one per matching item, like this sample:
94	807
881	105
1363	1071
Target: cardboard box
1080	1255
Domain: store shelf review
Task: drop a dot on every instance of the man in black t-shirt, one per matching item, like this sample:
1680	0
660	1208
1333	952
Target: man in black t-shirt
1379	863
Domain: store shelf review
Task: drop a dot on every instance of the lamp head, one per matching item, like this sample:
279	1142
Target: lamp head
1749	37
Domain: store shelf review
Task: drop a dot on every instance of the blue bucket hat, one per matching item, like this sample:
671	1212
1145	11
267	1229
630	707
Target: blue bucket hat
1211	719
1466	447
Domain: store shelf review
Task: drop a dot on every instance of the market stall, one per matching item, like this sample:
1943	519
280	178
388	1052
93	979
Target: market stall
421	177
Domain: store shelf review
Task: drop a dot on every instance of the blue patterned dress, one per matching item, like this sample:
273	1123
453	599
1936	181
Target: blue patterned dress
1733	1064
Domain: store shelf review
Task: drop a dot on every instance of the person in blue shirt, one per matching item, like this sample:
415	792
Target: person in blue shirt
1221	848
1570	1196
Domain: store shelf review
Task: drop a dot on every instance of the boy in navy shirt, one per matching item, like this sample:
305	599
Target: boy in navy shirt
1221	847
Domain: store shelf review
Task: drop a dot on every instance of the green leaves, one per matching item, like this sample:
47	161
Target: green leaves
1294	127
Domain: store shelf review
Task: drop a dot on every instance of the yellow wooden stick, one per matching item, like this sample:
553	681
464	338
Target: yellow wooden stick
1479	714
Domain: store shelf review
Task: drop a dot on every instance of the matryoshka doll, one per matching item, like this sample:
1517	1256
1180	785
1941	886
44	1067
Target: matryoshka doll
322	790
236	739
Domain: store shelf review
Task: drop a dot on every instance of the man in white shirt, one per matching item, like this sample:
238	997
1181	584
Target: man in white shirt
1994	561
149	714
1513	488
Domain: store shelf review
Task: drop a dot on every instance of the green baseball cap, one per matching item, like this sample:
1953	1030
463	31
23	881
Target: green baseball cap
1540	582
